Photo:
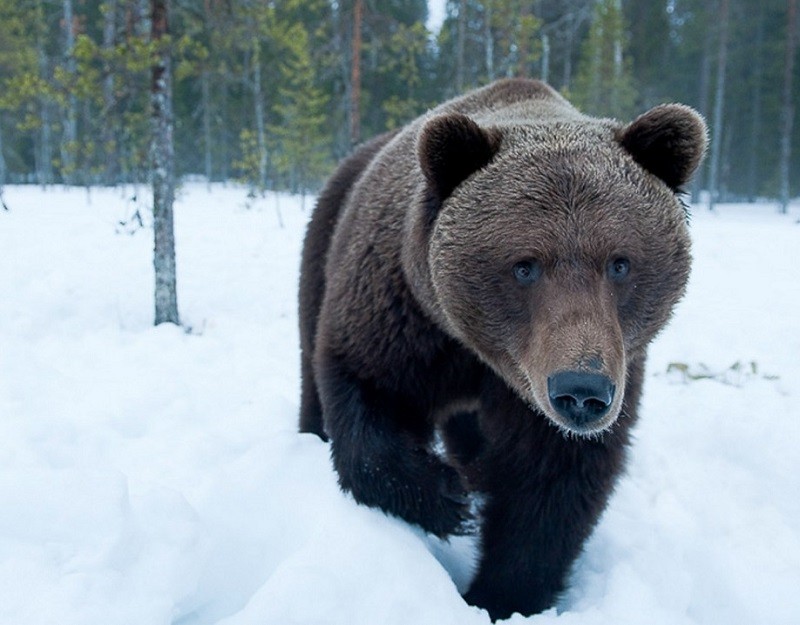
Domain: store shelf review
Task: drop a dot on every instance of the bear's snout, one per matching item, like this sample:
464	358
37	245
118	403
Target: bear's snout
580	398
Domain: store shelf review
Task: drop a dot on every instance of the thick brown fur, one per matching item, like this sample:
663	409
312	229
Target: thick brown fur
494	272
312	286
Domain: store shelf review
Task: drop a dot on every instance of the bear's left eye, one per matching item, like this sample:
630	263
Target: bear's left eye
618	269
527	272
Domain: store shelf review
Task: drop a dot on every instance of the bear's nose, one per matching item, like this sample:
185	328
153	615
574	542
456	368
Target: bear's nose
581	398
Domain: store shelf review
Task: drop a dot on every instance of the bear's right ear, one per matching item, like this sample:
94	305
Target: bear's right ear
668	141
451	148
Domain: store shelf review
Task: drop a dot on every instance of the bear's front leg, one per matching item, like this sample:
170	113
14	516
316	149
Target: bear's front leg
379	451
544	494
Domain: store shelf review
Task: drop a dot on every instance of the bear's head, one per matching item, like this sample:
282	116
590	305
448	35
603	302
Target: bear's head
556	251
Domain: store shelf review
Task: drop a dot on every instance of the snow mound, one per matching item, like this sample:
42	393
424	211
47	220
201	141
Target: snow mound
154	475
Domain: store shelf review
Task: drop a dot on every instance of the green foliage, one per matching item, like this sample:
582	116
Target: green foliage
300	136
501	40
247	165
604	84
396	65
406	47
22	87
514	30
16	55
191	56
610	57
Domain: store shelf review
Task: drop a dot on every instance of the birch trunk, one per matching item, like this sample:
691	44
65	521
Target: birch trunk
205	94
566	78
703	88
2	161
355	76
755	120
787	107
522	44
460	44
162	154
70	139
488	40
258	101
3	170
719	97
44	153
545	57
109	101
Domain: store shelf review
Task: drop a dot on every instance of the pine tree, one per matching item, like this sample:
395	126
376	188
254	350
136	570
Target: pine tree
301	142
405	54
75	103
395	61
253	38
514	31
20	85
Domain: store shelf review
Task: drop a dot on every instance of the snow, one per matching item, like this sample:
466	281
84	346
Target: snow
154	475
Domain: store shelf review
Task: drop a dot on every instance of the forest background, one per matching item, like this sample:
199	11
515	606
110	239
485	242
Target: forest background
274	93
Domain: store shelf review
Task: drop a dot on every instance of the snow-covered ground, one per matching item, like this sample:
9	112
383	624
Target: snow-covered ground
153	476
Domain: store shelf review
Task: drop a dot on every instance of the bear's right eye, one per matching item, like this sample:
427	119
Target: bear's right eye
618	269
527	272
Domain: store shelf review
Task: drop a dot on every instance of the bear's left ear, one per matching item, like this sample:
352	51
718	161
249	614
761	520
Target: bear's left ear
451	148
668	141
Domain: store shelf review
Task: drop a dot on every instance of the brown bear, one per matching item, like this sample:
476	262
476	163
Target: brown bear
477	294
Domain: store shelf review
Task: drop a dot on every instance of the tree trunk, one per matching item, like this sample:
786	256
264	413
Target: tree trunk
703	89
258	101
3	170
755	120
162	154
205	95
44	153
787	108
596	85
460	44
545	57
488	40
522	43
342	136
224	132
70	139
618	35
355	76
111	174
719	97
566	78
